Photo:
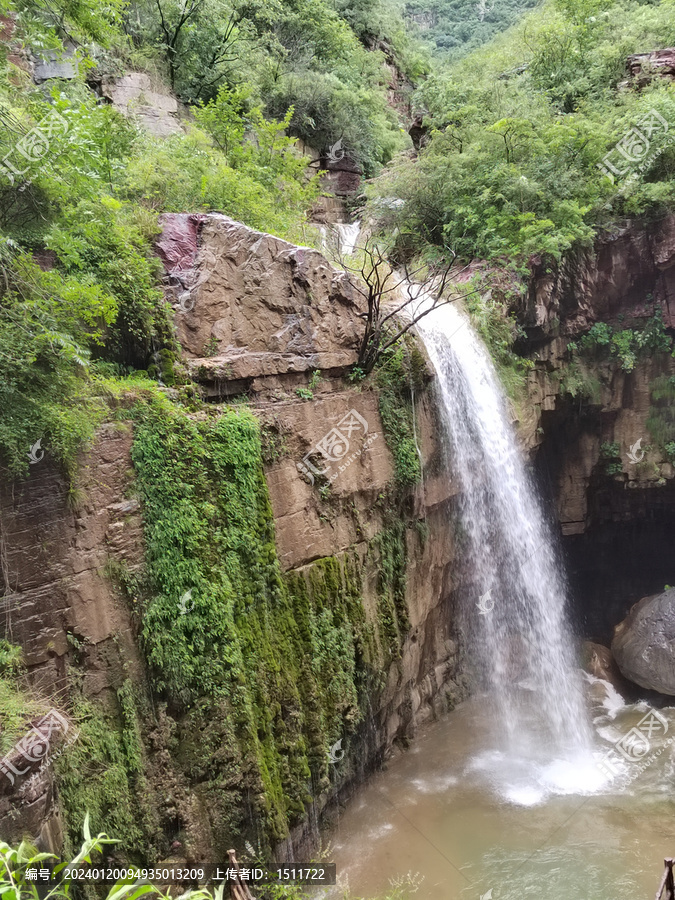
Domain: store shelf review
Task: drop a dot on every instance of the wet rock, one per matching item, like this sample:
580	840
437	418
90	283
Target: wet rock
644	643
598	661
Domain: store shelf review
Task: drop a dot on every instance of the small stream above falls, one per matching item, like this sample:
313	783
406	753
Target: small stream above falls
511	795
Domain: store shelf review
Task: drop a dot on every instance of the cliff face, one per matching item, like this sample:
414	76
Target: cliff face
225	592
360	576
605	418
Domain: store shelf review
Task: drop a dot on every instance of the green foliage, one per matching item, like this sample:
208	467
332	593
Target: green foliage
300	55
456	27
625	345
304	393
516	132
14	863
99	775
279	668
185	172
579	382
610	453
82	20
101	243
281	657
400	371
11	658
661	419
17	707
47	321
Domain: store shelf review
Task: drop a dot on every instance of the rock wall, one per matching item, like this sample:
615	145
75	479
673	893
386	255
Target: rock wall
598	454
277	312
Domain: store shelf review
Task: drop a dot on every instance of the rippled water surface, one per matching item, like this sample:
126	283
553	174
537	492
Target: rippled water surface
469	819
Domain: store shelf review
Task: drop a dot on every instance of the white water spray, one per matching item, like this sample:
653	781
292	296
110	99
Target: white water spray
514	590
347	234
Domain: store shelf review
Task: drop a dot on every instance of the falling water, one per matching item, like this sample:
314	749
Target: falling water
347	235
514	604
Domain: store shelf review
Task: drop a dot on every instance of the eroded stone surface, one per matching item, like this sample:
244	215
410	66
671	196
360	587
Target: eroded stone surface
57	551
253	306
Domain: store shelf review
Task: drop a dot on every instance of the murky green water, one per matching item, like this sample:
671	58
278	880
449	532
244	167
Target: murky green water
469	820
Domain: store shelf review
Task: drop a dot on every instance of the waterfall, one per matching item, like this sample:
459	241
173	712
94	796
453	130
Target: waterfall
347	235
514	592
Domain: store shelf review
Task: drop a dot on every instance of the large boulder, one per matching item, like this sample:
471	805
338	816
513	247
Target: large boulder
644	643
252	308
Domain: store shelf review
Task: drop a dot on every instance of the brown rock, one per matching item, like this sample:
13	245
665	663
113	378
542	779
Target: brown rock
599	662
611	280
660	63
262	306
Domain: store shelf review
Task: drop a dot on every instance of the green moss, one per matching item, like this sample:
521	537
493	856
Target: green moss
100	773
390	546
265	671
275	664
661	420
399	372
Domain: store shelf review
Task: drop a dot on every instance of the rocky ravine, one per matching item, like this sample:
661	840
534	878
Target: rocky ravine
269	315
616	506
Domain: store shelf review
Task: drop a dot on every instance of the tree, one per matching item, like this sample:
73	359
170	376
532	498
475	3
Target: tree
386	322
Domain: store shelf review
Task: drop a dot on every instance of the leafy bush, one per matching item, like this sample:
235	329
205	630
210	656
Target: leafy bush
610	453
11	657
17	885
516	132
47	324
399	371
627	345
